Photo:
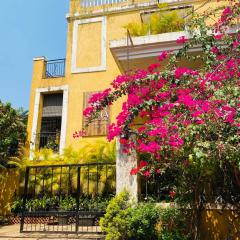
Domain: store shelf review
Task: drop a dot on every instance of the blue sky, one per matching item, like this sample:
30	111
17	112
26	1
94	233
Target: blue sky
29	28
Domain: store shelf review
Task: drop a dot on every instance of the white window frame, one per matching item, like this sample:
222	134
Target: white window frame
40	91
103	65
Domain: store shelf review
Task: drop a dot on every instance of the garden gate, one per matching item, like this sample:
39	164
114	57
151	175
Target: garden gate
66	198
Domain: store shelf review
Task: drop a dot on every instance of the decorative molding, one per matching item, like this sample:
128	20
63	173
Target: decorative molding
103	65
40	91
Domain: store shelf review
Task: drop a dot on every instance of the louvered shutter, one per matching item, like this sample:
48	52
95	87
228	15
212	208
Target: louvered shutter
52	105
99	127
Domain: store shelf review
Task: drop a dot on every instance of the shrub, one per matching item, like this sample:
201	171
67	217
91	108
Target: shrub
129	221
115	223
172	224
142	220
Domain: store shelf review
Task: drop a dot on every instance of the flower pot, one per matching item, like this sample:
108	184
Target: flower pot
63	220
87	220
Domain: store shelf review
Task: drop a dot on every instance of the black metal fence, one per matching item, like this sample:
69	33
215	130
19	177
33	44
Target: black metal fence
55	68
159	187
66	198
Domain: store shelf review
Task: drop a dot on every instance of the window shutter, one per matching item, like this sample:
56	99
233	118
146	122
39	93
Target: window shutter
52	105
98	127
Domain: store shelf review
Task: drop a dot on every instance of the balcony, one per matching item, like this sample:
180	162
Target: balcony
140	52
49	140
99	7
55	68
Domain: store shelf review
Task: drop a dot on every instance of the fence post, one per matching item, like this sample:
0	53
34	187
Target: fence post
24	197
77	197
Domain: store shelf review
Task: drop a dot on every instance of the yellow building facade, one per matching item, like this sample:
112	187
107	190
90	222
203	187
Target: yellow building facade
98	49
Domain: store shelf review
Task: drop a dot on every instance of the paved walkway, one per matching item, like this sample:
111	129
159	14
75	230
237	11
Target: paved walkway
11	232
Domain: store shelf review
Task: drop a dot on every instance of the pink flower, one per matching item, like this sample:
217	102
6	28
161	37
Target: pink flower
215	50
180	71
161	131
221	57
231	64
122	117
181	40
88	111
227	11
163	56
134	171
142	164
147	174
79	134
218	37
98	97
236	44
199	121
119	81
186	100
153	67
152	147
196	114
134	100
162	96
175	141
172	194
113	131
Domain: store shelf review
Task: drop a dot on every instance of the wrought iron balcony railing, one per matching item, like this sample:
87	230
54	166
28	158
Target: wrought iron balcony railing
55	68
50	140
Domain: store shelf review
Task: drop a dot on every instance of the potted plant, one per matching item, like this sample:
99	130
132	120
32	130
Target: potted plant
65	204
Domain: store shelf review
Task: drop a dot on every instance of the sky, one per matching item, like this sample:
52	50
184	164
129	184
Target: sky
29	28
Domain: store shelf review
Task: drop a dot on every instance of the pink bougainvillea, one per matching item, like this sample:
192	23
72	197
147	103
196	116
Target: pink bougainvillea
180	107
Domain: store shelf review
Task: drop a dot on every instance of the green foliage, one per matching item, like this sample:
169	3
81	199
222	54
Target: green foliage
12	132
142	221
129	221
137	29
89	152
67	204
116	220
53	143
172	225
17	205
166	22
39	204
98	202
160	22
